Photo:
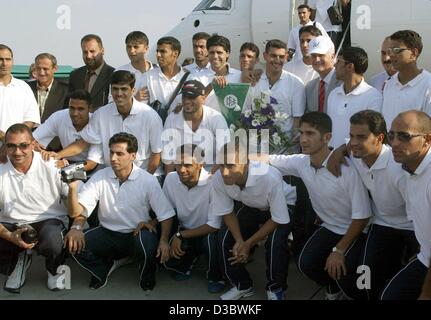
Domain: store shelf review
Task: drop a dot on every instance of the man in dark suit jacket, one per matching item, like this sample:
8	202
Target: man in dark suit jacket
50	93
95	76
322	53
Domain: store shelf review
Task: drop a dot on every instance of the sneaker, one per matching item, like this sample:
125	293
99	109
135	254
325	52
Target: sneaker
216	286
182	276
96	283
148	281
275	295
334	296
235	294
56	282
120	263
17	278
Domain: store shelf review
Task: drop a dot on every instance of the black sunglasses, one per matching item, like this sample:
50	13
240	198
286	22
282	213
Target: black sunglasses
21	146
403	136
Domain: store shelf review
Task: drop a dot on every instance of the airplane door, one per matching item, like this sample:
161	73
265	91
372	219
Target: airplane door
271	19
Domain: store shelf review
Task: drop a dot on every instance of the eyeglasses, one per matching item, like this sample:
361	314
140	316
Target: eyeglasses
21	146
403	136
396	50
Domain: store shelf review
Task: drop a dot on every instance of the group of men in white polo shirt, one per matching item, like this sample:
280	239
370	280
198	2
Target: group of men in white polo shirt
371	213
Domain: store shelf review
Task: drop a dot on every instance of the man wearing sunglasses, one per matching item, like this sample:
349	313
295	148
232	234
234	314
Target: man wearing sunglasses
410	88
31	194
410	137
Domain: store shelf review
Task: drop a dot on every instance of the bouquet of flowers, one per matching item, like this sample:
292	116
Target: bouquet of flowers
267	124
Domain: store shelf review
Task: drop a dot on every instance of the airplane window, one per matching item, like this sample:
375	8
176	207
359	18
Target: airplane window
214	5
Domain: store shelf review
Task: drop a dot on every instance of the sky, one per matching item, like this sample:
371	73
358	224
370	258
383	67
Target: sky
56	26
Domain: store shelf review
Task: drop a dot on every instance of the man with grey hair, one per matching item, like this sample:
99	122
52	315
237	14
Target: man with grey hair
50	93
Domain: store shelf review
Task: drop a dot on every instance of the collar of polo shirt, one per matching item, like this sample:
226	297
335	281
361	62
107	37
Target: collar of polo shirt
133	175
421	168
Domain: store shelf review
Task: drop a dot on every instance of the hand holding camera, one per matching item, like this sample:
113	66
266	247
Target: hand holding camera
73	172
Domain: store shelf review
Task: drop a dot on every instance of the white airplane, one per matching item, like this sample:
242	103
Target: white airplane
261	20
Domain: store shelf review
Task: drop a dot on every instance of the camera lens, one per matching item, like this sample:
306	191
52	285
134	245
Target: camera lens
30	235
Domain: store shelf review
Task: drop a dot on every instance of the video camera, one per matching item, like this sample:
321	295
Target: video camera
73	172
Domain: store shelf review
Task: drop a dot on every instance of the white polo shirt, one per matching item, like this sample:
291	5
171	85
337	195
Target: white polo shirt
178	132
194	68
294	42
17	104
303	71
289	91
207	76
123	207
379	80
264	190
143	122
336	200
34	196
415	95
192	205
386	181
161	88
342	106
137	73
418	204
321	7
60	125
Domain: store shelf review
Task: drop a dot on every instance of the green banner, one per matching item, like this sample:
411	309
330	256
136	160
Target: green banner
231	100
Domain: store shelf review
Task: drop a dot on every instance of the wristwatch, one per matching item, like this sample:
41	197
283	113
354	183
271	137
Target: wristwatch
76	227
179	236
335	249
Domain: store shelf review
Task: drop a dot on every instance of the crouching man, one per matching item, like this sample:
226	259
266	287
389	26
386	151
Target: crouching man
31	194
126	194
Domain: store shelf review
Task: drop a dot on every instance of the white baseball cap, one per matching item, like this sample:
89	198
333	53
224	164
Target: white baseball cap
321	45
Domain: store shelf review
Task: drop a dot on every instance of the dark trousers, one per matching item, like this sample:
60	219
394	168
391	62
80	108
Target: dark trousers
50	245
277	253
336	38
407	284
194	247
103	246
383	253
303	218
316	251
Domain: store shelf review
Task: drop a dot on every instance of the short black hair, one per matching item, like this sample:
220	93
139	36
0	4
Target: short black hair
90	37
18	128
193	150
410	38
250	46
81	94
201	36
173	42
124	137
221	41
304	6
5	47
318	120
275	43
374	121
123	77
137	36
357	56
311	30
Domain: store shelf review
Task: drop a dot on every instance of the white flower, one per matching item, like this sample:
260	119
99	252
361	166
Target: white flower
247	113
281	116
266	97
276	139
264	105
232	127
237	108
255	123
